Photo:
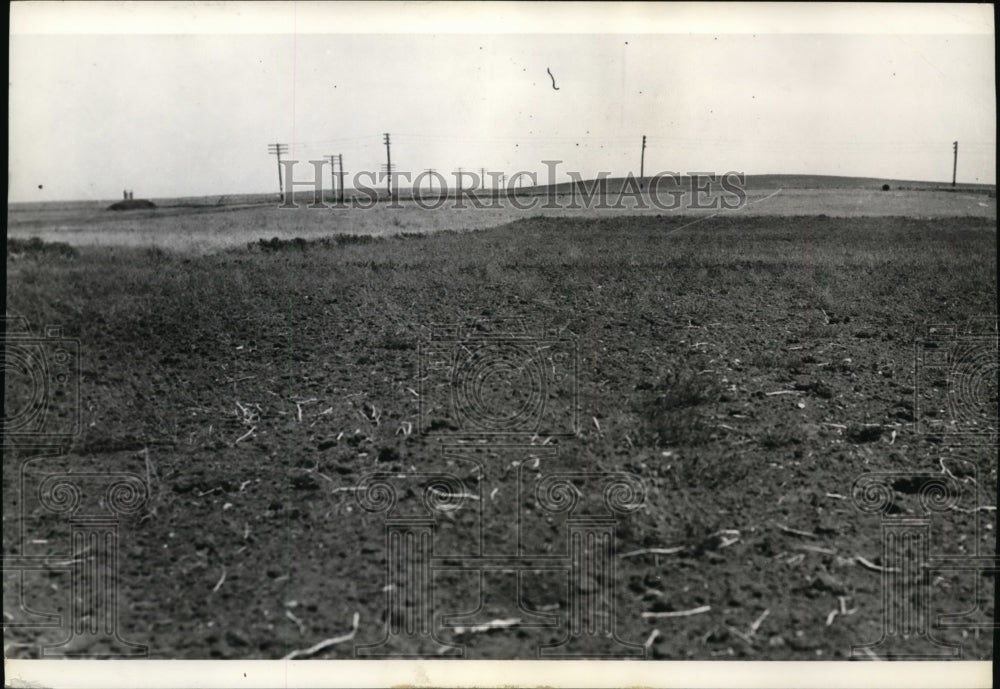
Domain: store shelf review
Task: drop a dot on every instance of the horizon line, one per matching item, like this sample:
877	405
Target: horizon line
304	188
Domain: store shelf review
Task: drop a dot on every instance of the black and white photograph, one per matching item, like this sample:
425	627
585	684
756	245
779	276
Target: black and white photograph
453	332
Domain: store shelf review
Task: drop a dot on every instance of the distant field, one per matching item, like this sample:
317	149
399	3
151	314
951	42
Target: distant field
205	225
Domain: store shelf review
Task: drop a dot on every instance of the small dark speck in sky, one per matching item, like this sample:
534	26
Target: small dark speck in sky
41	186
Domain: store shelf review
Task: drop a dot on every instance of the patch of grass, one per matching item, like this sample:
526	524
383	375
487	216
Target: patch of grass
35	247
278	244
333	241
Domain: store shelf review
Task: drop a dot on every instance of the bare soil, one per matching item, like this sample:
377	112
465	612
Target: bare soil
747	370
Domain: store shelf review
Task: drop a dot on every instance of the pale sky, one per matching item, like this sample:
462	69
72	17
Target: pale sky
190	115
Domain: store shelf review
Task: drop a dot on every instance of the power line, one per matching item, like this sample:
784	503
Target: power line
365	140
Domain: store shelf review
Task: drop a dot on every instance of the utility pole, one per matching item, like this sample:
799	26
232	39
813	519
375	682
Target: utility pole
954	167
278	149
642	161
482	178
460	180
388	167
430	178
333	177
340	160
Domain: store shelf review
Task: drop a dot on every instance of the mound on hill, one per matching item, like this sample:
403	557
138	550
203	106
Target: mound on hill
131	205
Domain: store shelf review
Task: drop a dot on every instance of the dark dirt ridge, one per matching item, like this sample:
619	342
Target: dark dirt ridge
255	389
132	205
